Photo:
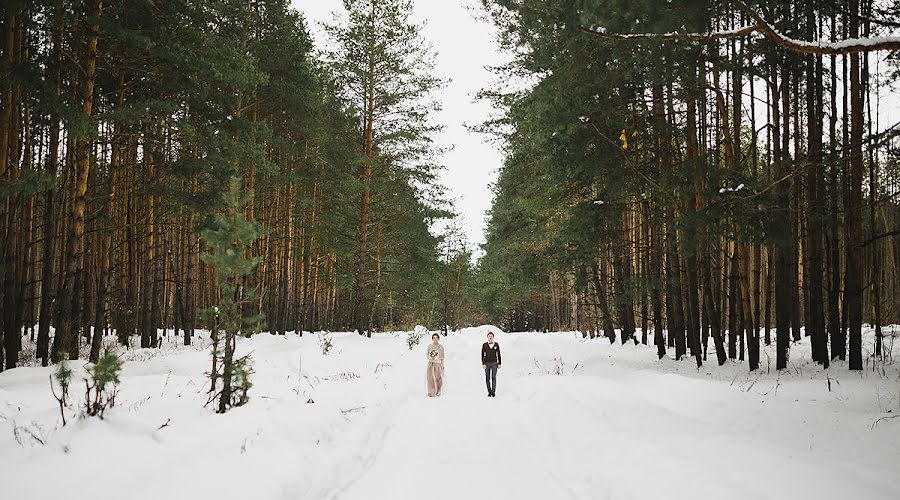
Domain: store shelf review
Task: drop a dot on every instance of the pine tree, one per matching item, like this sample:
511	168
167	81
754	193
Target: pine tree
229	237
387	72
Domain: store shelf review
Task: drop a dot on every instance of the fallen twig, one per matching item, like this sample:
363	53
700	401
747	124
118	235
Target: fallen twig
777	383
133	407
872	427
343	376
17	429
759	374
166	384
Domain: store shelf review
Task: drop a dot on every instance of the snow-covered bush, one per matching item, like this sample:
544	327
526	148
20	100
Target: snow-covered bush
325	343
414	337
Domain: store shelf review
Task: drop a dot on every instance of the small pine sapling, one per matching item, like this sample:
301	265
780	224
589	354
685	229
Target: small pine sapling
229	237
102	384
63	376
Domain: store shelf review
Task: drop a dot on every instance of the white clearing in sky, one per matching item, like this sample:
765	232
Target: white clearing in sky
573	418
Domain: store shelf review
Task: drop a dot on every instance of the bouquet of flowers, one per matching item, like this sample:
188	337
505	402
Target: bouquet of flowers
433	354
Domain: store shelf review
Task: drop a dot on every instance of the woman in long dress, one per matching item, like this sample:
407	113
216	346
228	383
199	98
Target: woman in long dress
434	374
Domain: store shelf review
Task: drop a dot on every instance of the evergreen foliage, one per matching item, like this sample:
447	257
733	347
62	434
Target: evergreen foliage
101	384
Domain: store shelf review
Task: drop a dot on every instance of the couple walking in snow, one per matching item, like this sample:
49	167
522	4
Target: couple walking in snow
434	374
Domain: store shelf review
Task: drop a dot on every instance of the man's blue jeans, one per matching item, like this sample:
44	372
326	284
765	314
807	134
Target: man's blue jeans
490	377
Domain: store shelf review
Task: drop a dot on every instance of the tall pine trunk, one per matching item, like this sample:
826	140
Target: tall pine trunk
854	281
815	327
781	248
65	340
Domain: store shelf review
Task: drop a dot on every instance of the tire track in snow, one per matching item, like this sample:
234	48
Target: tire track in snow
366	439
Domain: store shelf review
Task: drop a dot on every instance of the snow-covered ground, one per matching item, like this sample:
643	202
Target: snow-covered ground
573	418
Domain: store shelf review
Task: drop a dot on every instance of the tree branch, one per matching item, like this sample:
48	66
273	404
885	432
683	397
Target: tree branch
881	236
849	46
821	47
684	37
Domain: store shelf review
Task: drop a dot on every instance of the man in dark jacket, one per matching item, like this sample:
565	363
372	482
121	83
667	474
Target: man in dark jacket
490	360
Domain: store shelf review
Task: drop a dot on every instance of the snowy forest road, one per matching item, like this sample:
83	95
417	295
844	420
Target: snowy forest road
462	444
606	428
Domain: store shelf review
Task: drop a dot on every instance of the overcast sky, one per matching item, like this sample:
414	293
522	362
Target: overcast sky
465	45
